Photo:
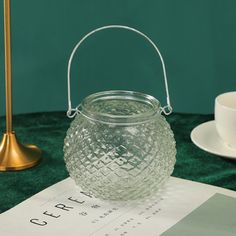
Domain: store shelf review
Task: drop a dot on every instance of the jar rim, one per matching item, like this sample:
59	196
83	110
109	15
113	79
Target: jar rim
151	104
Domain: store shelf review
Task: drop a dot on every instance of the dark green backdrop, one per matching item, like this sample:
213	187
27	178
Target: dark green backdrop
196	37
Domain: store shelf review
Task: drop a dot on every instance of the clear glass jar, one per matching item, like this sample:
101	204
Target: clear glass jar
119	146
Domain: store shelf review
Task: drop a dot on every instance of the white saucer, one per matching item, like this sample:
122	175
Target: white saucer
206	137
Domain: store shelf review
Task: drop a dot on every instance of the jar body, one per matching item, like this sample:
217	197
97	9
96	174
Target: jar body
120	162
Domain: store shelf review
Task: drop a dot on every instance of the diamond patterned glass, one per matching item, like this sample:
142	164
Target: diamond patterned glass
120	147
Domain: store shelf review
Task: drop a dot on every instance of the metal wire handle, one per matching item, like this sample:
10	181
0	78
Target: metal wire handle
167	109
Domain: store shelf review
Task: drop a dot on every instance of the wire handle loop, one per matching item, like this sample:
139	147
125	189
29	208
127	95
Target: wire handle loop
167	109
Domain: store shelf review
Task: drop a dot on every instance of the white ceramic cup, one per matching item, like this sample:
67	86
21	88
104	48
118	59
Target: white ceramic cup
225	117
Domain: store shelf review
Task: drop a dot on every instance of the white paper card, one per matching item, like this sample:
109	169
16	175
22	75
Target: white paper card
64	209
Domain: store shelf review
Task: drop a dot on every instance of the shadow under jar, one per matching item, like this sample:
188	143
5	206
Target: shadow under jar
119	146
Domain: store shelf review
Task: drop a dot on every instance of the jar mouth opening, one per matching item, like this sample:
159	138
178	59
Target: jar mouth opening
120	106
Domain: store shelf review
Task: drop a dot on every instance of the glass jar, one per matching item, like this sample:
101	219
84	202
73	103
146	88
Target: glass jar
120	146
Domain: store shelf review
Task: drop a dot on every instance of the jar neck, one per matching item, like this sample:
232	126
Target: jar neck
119	107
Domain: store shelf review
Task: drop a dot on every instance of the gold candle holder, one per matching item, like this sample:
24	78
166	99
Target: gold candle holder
13	154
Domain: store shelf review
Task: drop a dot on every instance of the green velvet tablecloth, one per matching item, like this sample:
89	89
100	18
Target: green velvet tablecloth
47	130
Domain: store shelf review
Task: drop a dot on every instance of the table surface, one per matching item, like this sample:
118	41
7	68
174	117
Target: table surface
47	130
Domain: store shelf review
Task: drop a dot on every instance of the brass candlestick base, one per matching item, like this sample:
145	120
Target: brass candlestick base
13	154
16	156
